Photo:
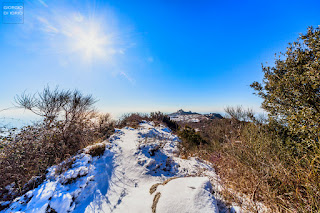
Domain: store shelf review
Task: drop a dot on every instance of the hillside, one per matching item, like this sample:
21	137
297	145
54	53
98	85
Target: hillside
192	117
138	171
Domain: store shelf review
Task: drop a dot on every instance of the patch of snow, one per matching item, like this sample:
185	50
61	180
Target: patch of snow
188	195
193	118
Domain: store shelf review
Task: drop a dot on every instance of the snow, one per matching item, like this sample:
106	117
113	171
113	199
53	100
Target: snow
189	194
193	118
120	179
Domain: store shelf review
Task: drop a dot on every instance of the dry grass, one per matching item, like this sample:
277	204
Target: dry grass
97	149
154	187
265	170
65	165
262	164
155	202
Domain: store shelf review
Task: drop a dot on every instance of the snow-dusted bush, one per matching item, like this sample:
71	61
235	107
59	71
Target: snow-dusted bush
132	119
96	149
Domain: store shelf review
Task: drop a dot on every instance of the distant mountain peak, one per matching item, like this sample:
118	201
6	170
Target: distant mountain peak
182	112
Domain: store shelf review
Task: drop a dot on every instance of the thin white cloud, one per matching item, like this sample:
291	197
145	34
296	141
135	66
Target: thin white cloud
46	26
127	77
43	3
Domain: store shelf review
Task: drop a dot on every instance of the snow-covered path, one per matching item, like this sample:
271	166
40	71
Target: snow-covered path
129	186
120	180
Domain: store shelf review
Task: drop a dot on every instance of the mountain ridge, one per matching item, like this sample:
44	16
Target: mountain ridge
190	116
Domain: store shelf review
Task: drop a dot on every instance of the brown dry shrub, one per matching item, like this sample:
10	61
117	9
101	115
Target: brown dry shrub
97	149
69	124
65	165
132	120
35	148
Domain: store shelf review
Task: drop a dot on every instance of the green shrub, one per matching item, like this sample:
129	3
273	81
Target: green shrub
290	93
290	89
191	140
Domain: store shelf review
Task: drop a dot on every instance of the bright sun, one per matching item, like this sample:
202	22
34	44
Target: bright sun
83	38
90	42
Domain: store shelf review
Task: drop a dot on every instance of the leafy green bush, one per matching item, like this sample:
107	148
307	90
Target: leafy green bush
291	89
191	140
291	95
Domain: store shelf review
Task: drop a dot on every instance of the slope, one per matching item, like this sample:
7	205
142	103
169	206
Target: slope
139	171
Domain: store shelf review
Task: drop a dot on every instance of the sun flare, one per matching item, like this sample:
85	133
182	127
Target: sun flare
82	38
90	42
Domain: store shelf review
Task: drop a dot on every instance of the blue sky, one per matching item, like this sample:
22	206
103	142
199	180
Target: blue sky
148	55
